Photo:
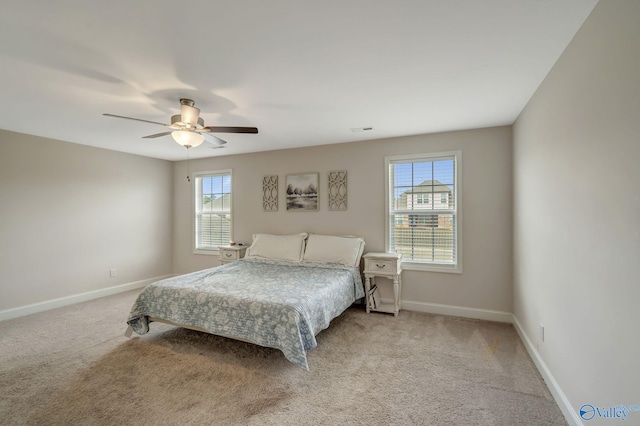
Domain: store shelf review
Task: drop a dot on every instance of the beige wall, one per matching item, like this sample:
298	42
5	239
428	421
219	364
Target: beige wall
577	212
487	200
69	213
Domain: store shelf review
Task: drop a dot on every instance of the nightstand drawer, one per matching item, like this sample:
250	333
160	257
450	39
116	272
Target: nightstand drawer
381	266
229	254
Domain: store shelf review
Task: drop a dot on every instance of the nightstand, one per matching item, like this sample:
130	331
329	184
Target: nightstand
387	265
230	254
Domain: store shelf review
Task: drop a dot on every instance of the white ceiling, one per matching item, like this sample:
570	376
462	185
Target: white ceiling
304	72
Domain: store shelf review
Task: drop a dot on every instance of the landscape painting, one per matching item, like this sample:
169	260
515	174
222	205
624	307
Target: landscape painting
302	192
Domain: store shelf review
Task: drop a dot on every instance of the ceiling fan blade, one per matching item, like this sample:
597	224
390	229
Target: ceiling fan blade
213	139
224	129
134	119
157	135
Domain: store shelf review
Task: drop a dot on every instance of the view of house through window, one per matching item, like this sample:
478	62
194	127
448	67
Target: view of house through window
422	215
212	210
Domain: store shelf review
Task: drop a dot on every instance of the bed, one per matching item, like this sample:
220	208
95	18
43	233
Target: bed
281	295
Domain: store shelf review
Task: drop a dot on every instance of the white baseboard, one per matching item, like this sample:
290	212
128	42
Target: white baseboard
75	298
561	399
457	311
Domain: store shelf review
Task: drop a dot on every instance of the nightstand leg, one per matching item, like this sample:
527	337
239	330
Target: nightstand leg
367	287
396	295
399	292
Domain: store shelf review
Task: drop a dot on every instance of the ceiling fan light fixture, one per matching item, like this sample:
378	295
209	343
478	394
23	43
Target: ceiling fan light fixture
187	139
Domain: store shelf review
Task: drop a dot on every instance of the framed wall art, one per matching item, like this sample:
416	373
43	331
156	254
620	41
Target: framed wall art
302	192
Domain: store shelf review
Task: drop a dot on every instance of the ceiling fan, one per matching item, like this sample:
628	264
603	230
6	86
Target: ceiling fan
188	129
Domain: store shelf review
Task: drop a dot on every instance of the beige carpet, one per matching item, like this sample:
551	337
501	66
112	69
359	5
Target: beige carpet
72	366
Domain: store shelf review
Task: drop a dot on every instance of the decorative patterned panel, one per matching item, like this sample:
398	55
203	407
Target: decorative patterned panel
338	190
270	193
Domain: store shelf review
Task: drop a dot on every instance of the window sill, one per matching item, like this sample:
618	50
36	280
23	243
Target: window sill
211	252
415	266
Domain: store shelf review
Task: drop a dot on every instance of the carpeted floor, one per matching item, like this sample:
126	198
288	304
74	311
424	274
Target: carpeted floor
74	366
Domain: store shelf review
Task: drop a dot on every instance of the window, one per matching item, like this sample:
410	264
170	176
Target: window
422	198
212	210
425	231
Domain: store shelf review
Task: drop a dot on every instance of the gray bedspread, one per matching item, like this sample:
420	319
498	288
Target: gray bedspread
276	304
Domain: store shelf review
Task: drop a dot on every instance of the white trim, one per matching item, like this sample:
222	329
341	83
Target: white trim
431	267
211	252
21	311
457	311
559	396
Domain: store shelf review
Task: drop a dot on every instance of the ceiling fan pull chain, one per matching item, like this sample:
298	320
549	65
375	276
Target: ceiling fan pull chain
188	165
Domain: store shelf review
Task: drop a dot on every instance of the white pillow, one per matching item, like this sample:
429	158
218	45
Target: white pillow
326	248
280	247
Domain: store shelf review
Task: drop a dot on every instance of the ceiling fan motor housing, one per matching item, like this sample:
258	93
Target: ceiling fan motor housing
189	114
178	121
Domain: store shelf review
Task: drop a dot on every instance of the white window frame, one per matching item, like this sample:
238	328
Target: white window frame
425	266
216	250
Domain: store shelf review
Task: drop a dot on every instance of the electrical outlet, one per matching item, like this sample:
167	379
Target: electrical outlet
112	273
541	333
